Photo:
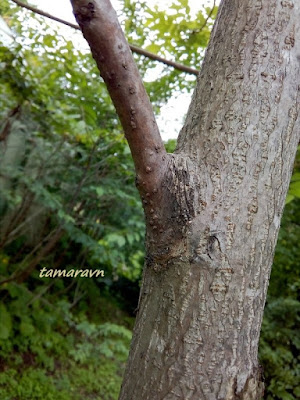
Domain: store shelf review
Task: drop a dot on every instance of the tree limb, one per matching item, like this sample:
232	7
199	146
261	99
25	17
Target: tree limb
134	49
99	24
206	20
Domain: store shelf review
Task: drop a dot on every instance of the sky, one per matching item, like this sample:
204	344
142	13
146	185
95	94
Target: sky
172	114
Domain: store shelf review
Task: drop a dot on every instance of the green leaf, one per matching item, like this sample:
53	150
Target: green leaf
295	177
289	198
153	48
100	191
114	238
295	189
26	327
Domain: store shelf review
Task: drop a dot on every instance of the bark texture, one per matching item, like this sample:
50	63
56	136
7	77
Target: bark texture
100	27
213	208
208	265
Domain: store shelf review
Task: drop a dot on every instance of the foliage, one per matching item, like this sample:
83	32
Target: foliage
68	201
280	345
60	355
63	166
173	33
66	170
294	189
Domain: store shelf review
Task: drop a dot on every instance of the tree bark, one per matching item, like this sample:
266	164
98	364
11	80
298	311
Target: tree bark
101	29
213	211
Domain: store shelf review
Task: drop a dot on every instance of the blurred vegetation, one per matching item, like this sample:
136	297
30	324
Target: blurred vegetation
68	201
280	340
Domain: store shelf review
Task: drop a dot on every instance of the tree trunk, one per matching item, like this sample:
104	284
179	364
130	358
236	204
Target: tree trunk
213	208
208	262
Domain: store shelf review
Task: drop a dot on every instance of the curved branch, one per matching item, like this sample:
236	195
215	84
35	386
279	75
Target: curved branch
45	14
134	49
206	20
100	27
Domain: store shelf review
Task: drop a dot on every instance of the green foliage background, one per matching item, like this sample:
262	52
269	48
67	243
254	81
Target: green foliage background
68	201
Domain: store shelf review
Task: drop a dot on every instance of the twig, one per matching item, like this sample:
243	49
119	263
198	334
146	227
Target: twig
19	273
134	49
77	295
20	226
205	22
41	293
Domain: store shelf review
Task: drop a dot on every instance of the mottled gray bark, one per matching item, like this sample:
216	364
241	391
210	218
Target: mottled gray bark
213	208
209	258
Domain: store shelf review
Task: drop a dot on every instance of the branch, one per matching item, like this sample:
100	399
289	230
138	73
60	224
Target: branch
134	49
206	20
99	24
